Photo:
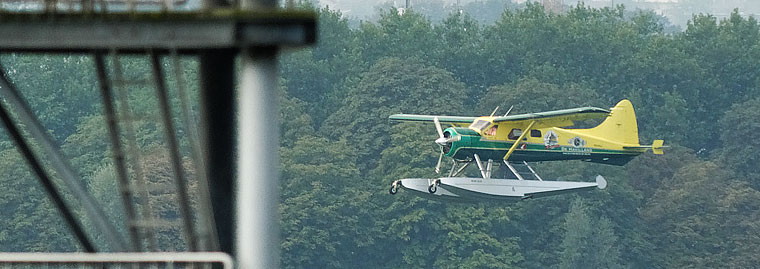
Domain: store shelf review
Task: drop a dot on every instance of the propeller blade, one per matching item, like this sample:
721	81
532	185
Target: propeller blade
438	166
438	127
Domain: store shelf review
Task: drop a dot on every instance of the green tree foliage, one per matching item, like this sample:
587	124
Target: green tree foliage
315	75
648	173
727	51
392	85
397	34
295	122
539	223
324	219
470	239
739	149
588	243
162	196
704	218
29	222
533	95
460	50
60	89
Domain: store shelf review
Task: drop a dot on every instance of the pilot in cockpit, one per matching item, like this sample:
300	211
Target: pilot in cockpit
492	131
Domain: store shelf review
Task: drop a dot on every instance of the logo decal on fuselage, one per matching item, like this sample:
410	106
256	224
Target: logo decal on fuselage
551	140
578	147
577	142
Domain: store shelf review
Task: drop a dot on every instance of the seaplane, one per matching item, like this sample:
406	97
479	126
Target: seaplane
517	140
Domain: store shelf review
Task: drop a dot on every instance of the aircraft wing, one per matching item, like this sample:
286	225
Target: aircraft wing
557	118
455	120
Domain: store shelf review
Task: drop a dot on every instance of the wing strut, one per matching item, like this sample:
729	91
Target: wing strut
514	171
517	142
480	166
533	171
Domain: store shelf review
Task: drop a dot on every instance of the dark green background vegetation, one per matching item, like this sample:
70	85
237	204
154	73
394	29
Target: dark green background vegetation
696	206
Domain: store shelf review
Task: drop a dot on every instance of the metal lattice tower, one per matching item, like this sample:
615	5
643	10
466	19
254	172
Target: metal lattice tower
237	162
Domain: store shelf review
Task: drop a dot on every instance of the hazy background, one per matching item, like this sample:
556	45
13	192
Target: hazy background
676	11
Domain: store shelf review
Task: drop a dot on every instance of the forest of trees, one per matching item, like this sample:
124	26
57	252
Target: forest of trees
696	206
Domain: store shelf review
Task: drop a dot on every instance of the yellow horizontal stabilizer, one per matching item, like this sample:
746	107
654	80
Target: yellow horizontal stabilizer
657	147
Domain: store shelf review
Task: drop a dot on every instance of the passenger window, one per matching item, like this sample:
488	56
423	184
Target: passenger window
535	133
514	134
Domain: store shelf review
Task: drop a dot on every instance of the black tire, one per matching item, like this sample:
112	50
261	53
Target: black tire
433	188
393	190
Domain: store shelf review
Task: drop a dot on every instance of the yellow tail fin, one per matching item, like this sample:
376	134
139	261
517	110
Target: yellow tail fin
620	126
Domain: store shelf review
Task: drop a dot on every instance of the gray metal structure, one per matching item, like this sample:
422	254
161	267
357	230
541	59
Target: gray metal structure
185	32
116	260
240	159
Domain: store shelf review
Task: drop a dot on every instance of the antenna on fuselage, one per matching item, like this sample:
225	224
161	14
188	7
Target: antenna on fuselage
510	110
494	111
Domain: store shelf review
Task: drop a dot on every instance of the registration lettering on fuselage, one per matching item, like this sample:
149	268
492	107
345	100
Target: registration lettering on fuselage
576	151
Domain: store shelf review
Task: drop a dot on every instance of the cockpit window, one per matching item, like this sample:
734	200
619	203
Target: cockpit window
491	131
479	125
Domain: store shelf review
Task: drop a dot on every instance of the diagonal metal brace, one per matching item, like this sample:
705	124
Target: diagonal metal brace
176	159
23	147
62	167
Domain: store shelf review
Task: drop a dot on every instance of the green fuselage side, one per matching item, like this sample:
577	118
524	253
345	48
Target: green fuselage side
470	143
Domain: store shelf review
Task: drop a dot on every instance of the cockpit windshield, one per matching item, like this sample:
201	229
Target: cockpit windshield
479	125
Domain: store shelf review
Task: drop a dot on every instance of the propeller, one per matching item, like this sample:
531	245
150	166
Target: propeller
438	166
440	141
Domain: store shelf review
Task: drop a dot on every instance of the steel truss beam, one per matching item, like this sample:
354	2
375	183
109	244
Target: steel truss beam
135	32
